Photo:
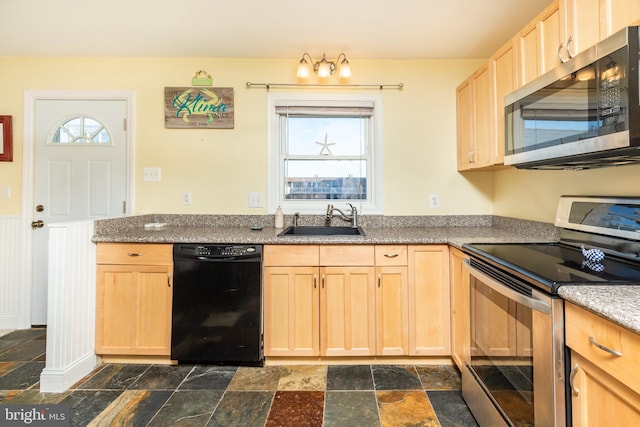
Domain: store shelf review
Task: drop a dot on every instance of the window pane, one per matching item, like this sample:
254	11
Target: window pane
338	136
325	179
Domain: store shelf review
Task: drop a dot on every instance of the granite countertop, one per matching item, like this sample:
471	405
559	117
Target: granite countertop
620	304
454	230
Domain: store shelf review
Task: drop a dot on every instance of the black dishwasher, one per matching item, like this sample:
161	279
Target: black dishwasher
217	304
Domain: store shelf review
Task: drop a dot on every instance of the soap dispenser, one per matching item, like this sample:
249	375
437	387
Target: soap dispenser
279	218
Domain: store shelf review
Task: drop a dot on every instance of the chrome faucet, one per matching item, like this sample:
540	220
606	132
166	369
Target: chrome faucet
296	218
353	217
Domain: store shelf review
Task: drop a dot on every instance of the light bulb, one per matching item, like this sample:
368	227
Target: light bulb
324	69
345	70
303	70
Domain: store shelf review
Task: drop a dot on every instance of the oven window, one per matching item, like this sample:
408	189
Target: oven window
501	351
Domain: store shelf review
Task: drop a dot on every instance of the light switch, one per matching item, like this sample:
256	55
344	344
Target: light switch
151	174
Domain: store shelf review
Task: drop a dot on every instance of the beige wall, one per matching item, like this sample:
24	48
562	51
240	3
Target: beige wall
532	194
418	126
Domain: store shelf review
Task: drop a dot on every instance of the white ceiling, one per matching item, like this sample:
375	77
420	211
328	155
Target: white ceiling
375	29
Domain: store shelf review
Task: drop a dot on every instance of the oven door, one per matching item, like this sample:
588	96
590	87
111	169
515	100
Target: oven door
515	374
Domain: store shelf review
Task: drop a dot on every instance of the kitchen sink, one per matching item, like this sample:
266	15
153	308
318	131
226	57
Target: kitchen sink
319	230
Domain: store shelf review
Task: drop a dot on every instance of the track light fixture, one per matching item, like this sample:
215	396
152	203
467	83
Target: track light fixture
323	68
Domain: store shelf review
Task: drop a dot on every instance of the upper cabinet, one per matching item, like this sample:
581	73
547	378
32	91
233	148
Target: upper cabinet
538	44
560	31
588	21
475	120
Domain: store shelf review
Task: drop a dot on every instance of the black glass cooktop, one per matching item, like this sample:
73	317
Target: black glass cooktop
555	264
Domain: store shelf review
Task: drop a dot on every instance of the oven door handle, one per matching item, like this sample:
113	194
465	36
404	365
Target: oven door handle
533	303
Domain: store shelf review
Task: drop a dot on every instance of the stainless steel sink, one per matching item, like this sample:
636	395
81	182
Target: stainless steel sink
319	230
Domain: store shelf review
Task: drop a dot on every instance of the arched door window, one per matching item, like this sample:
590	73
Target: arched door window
81	131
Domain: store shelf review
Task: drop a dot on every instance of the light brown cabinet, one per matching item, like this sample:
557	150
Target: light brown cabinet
133	299
460	303
429	300
347	311
356	300
604	379
588	21
474	124
538	43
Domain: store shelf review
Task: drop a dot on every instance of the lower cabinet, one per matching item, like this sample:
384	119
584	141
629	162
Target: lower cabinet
356	300
604	376
460	303
133	299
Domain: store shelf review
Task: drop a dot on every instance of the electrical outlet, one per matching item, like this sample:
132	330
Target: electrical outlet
434	201
6	192
151	174
186	198
256	200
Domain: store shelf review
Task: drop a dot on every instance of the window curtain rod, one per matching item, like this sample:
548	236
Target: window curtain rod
268	86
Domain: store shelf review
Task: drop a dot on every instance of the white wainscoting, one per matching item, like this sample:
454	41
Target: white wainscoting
71	307
14	285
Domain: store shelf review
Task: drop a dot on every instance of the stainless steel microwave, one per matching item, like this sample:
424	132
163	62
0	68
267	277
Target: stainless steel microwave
583	114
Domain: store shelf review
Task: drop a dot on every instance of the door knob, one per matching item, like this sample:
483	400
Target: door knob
37	224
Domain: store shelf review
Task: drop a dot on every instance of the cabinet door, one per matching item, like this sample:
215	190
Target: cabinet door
429	301
347	311
392	314
460	320
503	63
617	14
582	20
465	124
483	120
528	54
291	309
133	310
549	31
597	399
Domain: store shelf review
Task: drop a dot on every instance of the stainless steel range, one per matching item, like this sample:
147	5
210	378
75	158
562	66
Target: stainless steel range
515	374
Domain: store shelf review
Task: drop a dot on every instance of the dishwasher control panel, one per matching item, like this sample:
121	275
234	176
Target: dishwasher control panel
217	251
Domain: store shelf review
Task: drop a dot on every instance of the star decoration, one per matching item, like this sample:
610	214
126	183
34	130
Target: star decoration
325	146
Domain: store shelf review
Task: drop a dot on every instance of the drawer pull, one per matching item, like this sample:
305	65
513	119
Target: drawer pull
573	373
134	254
390	255
593	341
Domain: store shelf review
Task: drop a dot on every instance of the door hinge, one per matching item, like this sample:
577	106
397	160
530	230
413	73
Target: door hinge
124	206
124	124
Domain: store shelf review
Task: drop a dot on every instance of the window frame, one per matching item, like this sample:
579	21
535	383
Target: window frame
275	174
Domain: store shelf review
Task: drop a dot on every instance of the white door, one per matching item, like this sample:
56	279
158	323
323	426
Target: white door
80	173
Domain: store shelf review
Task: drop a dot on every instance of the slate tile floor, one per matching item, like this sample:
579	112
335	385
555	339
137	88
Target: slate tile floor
196	395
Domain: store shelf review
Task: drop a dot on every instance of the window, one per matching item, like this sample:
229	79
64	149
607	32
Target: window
324	150
81	130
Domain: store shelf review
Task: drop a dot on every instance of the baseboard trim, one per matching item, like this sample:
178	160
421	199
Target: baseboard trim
54	380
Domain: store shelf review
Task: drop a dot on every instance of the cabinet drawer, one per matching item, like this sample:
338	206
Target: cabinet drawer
346	255
584	330
391	255
134	253
290	255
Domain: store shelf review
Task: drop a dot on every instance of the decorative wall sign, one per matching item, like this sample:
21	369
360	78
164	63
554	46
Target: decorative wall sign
198	107
6	143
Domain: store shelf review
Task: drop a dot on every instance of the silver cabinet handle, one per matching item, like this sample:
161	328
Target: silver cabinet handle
379	279
315	281
573	373
323	281
134	254
390	255
168	280
604	348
